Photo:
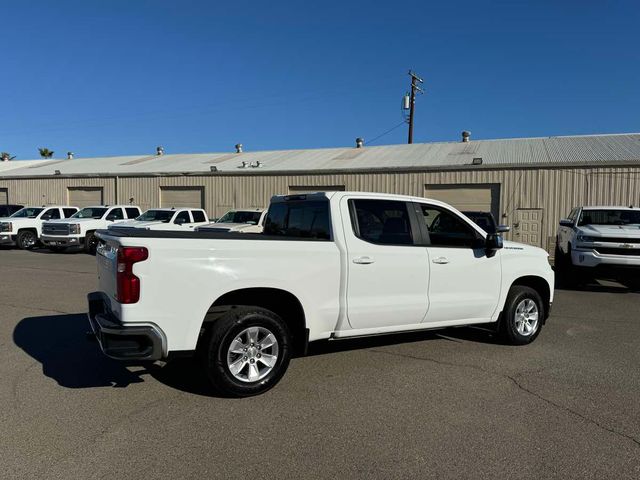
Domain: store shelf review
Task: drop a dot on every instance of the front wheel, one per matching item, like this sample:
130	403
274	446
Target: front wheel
26	240
248	351
90	243
522	316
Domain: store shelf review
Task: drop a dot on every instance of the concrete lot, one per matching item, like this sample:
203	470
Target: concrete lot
451	404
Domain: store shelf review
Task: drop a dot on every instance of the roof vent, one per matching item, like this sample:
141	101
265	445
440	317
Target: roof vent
57	172
359	142
466	136
238	148
245	165
213	168
159	150
69	155
477	161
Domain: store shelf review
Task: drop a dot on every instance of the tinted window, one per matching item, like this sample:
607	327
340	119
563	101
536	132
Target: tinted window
198	216
299	219
68	212
132	212
116	214
382	221
483	219
182	217
52	213
447	229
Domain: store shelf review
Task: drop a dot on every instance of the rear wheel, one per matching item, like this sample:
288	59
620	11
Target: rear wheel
522	316
90	243
248	351
27	240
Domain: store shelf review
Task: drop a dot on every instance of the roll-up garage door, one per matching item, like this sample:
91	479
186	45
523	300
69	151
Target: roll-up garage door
180	197
484	197
85	196
4	196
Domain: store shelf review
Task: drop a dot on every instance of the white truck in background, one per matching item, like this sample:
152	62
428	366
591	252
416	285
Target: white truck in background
599	242
24	227
328	265
247	220
179	219
79	230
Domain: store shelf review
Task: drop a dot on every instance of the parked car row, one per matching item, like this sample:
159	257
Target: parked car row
61	227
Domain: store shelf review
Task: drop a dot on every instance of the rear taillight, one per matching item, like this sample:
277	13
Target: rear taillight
128	285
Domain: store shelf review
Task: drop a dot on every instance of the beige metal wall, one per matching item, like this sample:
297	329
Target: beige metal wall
555	191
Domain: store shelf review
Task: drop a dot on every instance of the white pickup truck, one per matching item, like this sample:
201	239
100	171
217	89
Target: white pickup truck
327	266
249	220
24	228
179	219
599	242
79	230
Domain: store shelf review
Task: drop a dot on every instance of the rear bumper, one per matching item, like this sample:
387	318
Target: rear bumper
60	241
120	341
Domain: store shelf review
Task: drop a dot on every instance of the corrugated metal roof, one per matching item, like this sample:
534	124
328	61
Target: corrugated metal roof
596	150
15	164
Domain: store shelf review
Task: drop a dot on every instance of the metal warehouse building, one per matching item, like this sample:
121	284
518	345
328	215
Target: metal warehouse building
527	183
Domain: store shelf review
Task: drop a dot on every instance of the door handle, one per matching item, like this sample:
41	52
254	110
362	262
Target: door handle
441	260
363	260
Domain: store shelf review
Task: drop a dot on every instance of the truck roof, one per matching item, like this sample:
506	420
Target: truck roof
609	207
331	194
174	209
112	206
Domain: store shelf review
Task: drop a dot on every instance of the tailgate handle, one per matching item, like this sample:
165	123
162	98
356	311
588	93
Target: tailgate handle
363	260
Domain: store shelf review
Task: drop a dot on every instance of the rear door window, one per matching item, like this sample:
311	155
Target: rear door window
383	222
132	212
198	216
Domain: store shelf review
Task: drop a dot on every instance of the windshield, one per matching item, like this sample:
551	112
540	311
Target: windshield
155	216
240	217
91	212
27	212
609	217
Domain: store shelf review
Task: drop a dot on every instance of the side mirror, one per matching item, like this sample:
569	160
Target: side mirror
503	228
493	242
565	222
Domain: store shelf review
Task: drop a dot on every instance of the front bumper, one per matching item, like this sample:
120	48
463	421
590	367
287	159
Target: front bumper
7	239
120	341
59	241
591	258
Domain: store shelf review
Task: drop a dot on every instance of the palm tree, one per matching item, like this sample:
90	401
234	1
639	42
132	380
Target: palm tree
45	152
6	156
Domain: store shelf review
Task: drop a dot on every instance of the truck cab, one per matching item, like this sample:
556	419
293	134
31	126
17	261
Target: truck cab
246	220
79	229
24	227
179	219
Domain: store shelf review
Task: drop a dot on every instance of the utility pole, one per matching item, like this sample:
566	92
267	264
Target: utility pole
412	101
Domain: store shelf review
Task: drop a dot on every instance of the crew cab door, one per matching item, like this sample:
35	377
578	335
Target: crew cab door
465	281
387	272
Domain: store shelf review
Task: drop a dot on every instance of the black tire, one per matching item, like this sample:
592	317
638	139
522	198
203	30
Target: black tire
90	243
508	326
26	240
226	330
58	249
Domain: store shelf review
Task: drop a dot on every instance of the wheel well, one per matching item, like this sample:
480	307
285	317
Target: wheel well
540	285
28	229
282	303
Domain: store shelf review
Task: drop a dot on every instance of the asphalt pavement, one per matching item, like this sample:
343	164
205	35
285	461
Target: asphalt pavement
448	404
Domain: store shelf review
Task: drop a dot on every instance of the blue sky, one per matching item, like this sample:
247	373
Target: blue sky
121	77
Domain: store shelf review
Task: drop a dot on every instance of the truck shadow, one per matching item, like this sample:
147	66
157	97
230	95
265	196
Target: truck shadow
60	344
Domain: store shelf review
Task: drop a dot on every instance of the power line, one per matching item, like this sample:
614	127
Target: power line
383	134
